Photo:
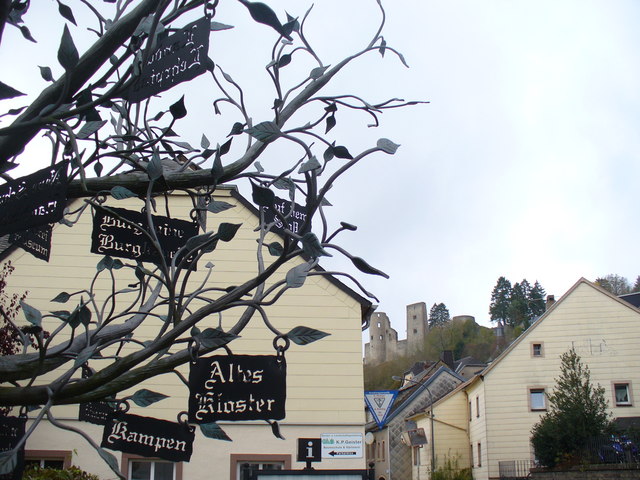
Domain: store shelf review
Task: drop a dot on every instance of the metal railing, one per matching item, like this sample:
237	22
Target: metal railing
515	469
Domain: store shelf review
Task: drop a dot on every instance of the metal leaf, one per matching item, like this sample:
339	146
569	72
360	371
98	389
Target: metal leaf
46	73
264	131
120	193
213	430
305	335
363	266
297	275
262	13
8	92
8	463
67	52
84	356
342	152
312	247
214	337
144	397
216	26
331	122
197	241
62	297
106	263
309	165
259	167
284	184
89	128
284	60
66	12
262	196
178	110
218	206
109	458
387	146
275	249
154	167
226	231
33	315
318	72
236	129
275	429
26	33
204	141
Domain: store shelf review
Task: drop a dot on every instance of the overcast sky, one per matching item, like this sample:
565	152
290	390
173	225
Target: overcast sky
524	164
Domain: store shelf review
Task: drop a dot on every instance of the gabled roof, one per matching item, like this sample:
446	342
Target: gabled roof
526	333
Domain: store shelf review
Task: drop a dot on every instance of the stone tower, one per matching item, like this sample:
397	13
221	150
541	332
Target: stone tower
417	326
383	339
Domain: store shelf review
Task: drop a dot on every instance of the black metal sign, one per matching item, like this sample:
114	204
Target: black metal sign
176	59
117	238
11	431
309	450
237	387
149	437
33	200
36	241
295	218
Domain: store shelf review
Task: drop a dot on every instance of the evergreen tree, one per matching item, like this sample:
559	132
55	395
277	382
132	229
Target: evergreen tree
500	301
438	315
578	411
636	286
537	304
518	308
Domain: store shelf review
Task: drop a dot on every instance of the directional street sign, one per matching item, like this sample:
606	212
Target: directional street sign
379	403
341	445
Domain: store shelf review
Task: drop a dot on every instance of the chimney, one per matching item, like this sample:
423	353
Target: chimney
550	301
447	358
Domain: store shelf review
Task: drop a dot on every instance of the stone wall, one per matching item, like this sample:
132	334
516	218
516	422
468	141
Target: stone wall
590	472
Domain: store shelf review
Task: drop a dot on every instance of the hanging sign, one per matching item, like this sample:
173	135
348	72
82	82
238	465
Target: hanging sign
97	413
294	220
33	200
379	403
176	58
11	431
148	437
36	241
237	387
112	236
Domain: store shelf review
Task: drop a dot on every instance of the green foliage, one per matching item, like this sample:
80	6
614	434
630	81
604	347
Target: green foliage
451	470
35	472
517	305
438	315
578	411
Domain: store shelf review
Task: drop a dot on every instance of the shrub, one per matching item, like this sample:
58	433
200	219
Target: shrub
36	472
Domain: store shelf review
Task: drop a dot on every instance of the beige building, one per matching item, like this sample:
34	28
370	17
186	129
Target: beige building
505	400
324	378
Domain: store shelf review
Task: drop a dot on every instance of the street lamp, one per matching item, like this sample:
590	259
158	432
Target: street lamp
433	440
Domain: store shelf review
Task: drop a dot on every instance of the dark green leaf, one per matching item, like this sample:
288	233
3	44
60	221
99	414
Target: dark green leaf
46	73
105	263
224	149
275	249
328	154
66	12
197	241
217	170
309	165
117	264
218	206
33	315
387	146
178	110
26	33
213	430
216	26
331	122
214	337
304	335
204	141
348	226
284	184
108	457
154	167
284	60
8	92
89	128
67	52
383	47
342	152
318	72
312	247
297	275
226	231
120	193
62	314
275	429
144	397
84	356
8	463
262	196
264	132
62	297
363	266
97	167
262	13
85	315
236	129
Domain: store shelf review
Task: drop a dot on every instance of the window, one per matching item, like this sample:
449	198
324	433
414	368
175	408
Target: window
537	399
622	394
536	349
471	453
479	454
243	467
416	456
141	468
477	406
469	410
48	458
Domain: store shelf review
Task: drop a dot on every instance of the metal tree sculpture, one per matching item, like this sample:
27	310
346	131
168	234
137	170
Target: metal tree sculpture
143	48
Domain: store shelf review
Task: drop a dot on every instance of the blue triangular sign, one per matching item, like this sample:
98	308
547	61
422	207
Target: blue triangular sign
379	403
